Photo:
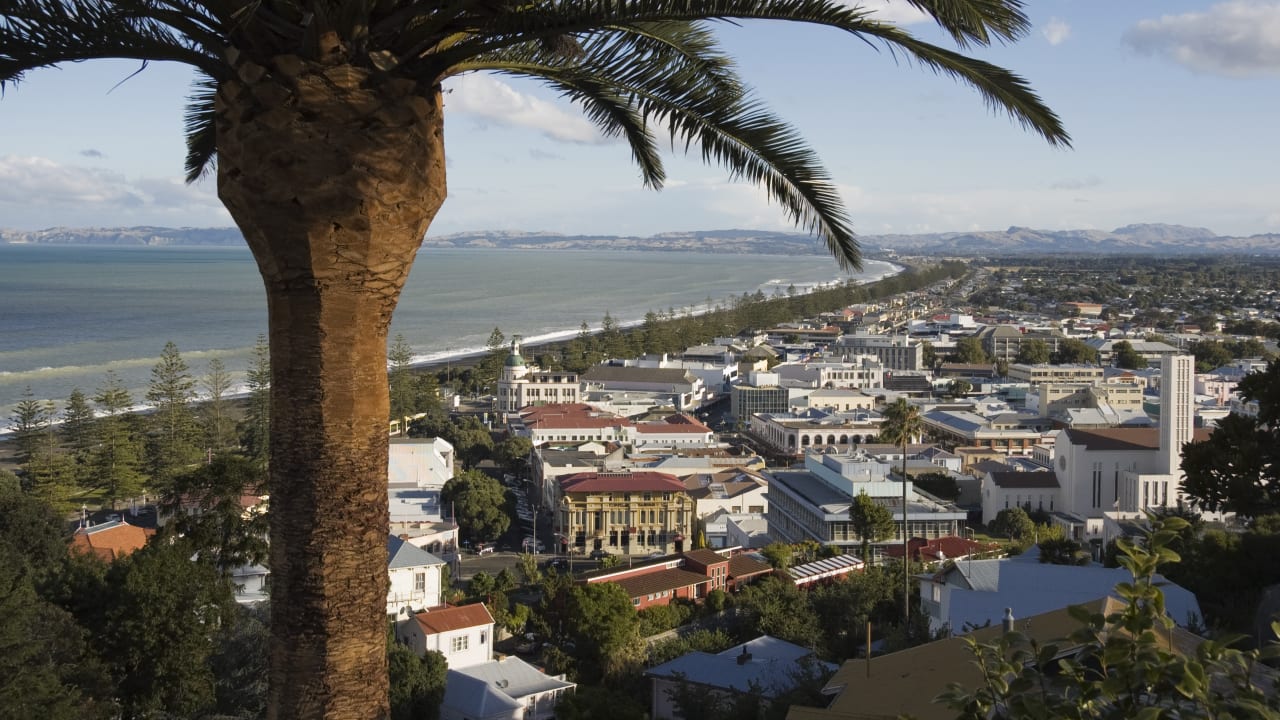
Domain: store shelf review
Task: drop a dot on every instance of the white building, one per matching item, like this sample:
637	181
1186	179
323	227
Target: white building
1129	470
1005	490
796	433
506	689
813	503
415	577
521	385
682	389
860	371
417	469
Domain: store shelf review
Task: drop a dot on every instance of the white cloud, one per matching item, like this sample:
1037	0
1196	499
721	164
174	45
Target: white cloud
493	100
896	12
1056	31
1239	37
38	192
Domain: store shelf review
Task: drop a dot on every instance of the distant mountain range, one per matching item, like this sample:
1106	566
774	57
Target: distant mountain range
1154	239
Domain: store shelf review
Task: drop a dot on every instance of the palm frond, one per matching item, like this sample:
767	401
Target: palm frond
969	20
974	22
198	121
45	33
667	86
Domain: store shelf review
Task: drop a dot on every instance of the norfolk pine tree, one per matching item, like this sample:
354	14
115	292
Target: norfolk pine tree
326	120
870	522
215	412
172	437
115	465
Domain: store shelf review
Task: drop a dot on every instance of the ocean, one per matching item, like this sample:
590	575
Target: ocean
70	314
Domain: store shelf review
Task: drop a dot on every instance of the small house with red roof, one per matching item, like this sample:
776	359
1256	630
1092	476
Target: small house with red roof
623	512
462	633
110	540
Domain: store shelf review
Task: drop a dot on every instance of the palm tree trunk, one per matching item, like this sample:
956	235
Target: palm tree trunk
333	176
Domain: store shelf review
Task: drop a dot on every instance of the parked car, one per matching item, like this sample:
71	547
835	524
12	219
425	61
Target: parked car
599	554
531	543
486	548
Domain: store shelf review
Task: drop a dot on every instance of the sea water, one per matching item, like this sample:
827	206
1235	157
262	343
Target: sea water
70	314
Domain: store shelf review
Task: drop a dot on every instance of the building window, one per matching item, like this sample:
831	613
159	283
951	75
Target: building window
458	644
420	582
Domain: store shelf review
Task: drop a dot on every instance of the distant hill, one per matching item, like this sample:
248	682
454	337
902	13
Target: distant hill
1130	239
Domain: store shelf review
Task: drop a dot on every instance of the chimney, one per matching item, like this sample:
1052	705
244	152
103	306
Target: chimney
1008	620
745	657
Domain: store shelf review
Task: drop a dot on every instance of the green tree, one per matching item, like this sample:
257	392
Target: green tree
417	683
172	443
959	387
239	664
1062	551
327	127
160	620
221	531
1013	523
870	522
29	421
1075	352
930	355
513	454
779	555
47	669
478	503
969	350
116	462
78	431
400	379
775	606
1126	357
215	412
605	631
255	429
1209	354
1033	352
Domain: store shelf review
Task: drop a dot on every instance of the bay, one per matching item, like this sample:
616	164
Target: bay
70	314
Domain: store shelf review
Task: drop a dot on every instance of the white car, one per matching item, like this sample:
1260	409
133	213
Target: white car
530	543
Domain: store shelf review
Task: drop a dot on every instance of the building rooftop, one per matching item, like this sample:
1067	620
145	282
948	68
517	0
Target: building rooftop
403	554
639	481
659	581
766	662
111	540
1025	480
450	617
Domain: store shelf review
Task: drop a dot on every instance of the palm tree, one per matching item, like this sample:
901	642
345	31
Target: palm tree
902	426
324	119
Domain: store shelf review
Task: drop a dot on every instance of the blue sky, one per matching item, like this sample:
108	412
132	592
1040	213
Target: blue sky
1173	107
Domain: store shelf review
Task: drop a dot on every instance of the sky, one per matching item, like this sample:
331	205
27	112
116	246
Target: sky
1173	107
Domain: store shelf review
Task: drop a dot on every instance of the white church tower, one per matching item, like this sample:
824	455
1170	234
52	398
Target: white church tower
1177	411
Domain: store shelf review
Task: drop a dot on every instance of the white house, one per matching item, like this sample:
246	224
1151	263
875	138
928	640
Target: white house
463	634
731	491
506	689
417	469
1005	490
675	431
415	577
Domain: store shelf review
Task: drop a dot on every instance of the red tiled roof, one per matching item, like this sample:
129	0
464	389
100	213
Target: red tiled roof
941	548
621	482
454	618
655	582
674	424
570	415
111	540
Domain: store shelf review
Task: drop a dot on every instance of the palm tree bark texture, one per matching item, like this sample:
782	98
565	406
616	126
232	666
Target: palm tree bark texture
362	163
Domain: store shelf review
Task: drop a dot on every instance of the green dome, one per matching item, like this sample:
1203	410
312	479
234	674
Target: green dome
514	360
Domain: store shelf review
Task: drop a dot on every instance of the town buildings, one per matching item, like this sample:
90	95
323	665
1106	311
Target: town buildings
623	512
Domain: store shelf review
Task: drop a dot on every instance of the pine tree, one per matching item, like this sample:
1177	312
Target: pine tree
115	463
172	445
218	425
257	421
77	422
28	422
400	380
